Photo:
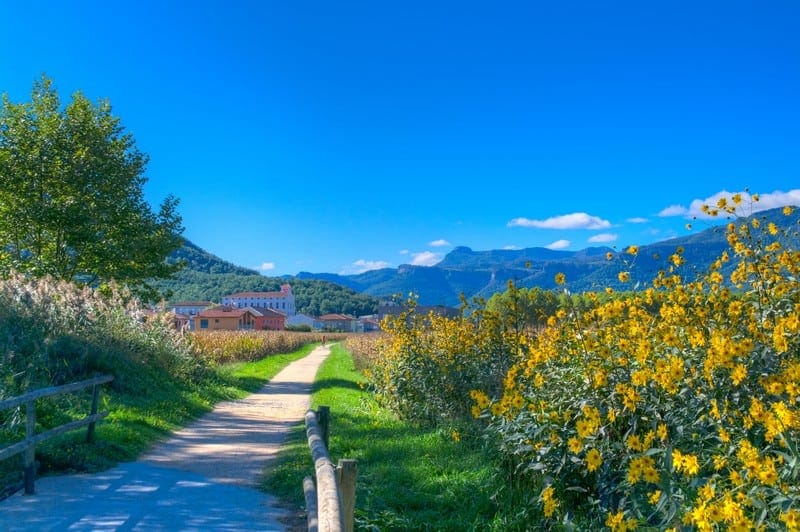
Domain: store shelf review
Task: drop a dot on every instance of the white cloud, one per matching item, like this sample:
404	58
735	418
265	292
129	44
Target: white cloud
637	220
604	238
267	266
439	243
404	252
673	210
425	258
777	199
576	220
511	247
558	244
361	266
766	201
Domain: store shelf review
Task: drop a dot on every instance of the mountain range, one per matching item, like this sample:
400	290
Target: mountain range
483	273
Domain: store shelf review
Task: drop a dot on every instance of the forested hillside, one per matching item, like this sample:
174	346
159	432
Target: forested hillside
206	277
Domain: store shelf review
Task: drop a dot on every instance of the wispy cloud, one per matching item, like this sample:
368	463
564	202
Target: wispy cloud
425	258
558	244
637	220
603	238
267	266
766	201
404	252
361	266
511	247
673	210
576	220
439	243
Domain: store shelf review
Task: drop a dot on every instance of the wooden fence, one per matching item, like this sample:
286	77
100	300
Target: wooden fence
28	445
330	497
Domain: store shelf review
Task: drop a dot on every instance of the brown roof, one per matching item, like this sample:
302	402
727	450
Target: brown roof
331	317
224	313
271	313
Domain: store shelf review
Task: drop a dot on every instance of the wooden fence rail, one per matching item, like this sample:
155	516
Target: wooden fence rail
28	445
330	496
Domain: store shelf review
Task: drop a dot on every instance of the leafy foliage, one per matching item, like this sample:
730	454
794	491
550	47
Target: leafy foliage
71	199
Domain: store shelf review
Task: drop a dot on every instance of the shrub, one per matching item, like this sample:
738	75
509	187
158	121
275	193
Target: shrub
687	415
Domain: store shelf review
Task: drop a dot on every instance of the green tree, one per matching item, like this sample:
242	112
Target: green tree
71	195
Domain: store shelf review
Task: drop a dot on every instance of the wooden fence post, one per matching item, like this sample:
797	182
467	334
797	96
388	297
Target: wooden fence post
90	429
30	452
346	472
312	509
324	420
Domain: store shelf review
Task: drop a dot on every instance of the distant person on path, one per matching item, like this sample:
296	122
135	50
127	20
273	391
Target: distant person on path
323	340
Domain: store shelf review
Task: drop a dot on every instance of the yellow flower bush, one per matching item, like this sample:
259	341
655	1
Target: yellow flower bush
673	405
687	388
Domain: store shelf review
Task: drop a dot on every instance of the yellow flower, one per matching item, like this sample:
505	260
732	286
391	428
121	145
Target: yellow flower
634	443
613	521
561	278
738	374
654	497
549	502
609	256
593	459
791	518
633	250
624	277
456	436
651	475
575	445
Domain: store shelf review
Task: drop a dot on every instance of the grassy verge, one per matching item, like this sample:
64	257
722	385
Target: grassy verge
147	408
409	478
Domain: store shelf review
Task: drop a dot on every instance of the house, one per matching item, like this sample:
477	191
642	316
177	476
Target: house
369	323
225	318
339	323
272	320
303	320
282	301
181	322
189	309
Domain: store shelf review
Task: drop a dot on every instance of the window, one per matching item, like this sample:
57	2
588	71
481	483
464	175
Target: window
204	324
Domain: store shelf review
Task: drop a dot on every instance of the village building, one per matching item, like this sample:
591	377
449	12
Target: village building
226	318
282	301
340	323
185	311
303	320
273	320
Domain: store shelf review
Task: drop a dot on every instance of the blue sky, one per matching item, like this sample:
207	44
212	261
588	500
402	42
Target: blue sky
344	136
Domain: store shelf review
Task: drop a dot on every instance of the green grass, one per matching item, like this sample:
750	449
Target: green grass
409	478
144	407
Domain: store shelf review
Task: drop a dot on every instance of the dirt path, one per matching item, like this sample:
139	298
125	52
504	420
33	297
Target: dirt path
203	478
